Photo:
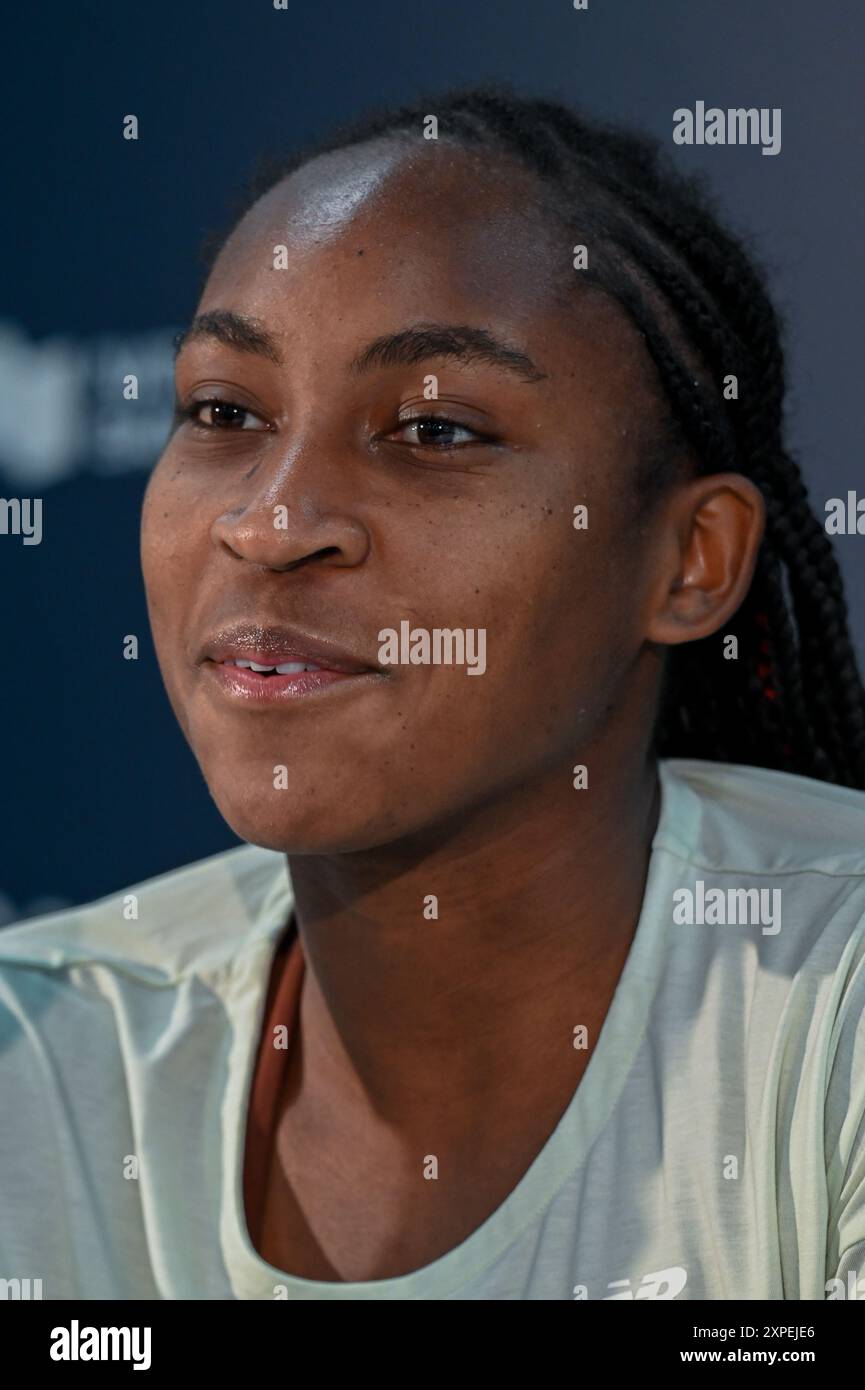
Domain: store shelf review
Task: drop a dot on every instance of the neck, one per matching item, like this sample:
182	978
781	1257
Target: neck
537	900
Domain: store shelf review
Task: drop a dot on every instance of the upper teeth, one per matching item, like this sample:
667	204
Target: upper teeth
288	668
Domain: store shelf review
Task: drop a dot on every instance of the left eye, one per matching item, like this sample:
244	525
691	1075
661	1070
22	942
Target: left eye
223	415
438	431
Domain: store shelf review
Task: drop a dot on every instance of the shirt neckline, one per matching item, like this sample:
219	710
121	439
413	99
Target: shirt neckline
566	1149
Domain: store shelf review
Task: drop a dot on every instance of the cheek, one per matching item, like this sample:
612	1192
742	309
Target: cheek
173	541
541	592
174	524
158	523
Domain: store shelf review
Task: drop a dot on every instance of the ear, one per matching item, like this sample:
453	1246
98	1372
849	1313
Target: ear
712	528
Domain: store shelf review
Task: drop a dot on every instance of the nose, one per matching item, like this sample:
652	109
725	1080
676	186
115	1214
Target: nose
300	513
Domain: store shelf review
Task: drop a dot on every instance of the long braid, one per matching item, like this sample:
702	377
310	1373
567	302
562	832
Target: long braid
794	698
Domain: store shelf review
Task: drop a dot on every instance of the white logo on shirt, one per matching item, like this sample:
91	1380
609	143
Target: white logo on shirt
663	1283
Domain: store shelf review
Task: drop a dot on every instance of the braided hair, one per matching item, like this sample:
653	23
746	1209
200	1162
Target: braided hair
793	699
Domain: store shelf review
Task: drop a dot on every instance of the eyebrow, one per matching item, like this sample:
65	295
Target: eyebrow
404	348
234	330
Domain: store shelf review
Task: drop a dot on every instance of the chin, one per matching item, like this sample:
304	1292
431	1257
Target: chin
310	825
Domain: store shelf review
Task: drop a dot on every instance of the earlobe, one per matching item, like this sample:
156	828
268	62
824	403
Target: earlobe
715	526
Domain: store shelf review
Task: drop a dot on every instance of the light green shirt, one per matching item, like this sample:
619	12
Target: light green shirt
713	1149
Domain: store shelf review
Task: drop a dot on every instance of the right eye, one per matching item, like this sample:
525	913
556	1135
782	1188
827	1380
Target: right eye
215	413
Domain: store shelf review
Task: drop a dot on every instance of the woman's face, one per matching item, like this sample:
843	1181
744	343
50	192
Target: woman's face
307	514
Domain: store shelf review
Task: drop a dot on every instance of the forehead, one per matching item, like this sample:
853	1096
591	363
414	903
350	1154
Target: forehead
408	206
397	231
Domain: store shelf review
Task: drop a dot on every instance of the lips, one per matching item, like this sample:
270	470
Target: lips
280	650
259	666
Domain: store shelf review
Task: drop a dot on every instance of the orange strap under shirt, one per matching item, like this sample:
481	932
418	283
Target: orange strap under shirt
280	1009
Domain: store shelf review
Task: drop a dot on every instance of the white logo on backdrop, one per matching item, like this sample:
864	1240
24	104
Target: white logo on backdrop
62	409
